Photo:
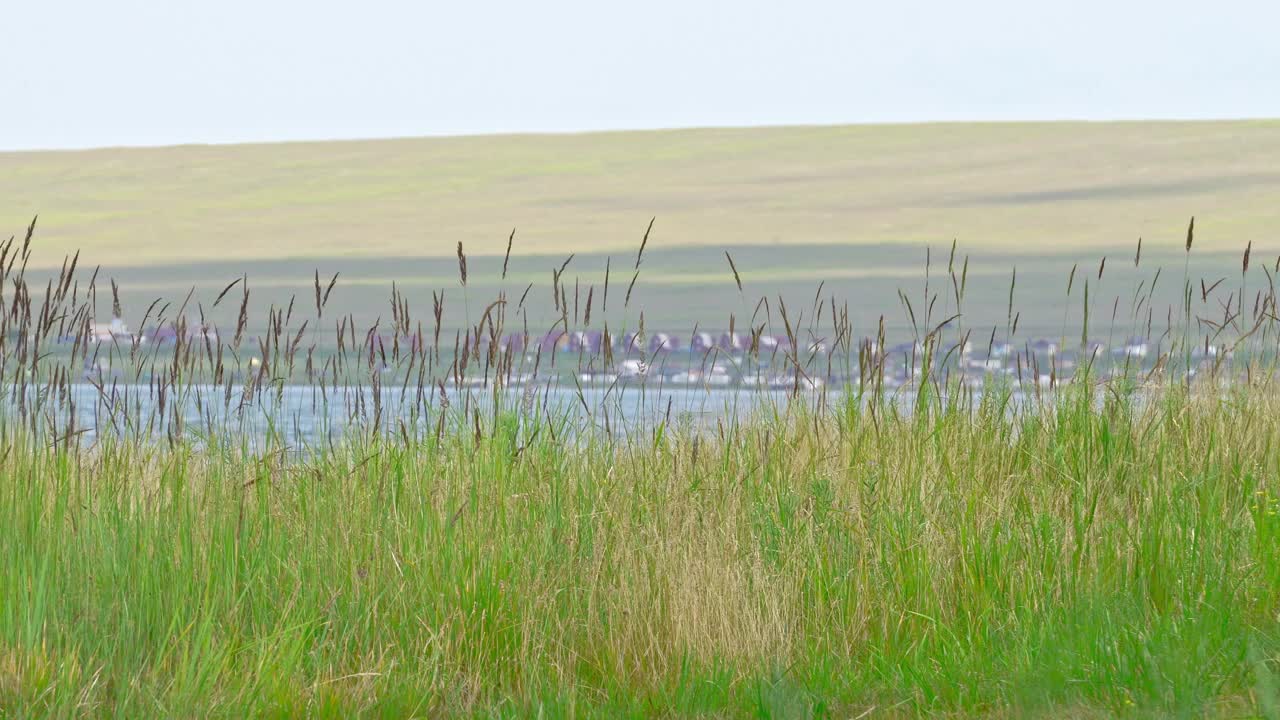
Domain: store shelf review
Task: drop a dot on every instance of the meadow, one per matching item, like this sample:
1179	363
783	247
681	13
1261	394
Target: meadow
1078	563
968	545
1002	504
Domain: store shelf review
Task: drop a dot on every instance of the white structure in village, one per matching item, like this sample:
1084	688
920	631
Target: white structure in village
109	332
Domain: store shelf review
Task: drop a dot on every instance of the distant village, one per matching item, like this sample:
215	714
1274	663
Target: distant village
727	359
117	331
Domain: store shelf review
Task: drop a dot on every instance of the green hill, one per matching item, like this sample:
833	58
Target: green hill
853	206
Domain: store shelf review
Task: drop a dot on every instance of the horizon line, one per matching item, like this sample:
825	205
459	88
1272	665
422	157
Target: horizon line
499	134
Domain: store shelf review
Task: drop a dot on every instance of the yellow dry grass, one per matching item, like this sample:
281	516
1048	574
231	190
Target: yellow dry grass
1050	186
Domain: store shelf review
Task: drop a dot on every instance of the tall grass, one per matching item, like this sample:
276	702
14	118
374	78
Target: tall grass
1089	551
1075	561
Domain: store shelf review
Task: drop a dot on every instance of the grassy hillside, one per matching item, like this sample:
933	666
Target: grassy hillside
995	186
852	206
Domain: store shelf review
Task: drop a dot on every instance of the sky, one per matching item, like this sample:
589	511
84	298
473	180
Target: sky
89	73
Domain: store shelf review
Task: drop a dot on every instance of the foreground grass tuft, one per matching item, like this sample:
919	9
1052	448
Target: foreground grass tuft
1091	558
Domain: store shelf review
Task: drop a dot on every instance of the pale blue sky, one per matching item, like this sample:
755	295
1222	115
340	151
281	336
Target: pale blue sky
128	72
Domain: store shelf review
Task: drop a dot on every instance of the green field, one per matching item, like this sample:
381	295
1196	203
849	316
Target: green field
1048	536
855	207
1068	563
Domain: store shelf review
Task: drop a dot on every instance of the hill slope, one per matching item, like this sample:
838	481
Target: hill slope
850	205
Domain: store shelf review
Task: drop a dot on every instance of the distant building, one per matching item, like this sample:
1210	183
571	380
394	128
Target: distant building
587	341
554	341
663	342
769	344
577	341
733	342
196	332
632	342
817	346
116	330
702	342
633	368
514	341
1042	346
1135	347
